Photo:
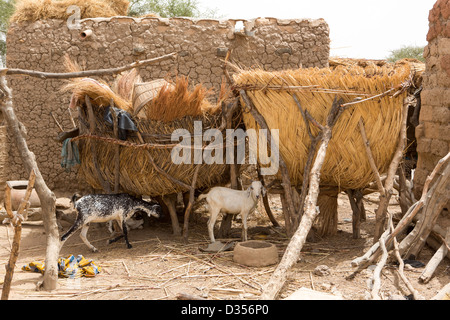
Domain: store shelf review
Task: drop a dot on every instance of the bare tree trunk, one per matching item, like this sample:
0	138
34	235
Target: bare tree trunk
46	196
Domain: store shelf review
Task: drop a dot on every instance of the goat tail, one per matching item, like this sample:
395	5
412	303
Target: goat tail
75	197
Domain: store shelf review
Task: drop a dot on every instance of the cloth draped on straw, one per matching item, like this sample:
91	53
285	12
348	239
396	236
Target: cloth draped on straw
70	154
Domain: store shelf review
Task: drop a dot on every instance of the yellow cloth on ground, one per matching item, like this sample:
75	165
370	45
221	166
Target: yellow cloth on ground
69	267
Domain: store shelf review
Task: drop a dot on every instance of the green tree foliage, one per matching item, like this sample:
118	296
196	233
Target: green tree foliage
170	8
6	10
414	52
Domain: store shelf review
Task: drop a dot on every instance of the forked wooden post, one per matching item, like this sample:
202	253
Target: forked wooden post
188	210
98	173
227	120
46	196
16	221
286	181
295	246
115	119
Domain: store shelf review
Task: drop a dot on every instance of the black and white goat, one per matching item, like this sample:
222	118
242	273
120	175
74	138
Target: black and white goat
226	200
107	207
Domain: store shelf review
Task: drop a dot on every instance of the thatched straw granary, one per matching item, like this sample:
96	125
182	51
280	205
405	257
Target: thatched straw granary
346	164
175	106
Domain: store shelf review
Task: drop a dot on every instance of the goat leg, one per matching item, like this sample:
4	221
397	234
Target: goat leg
116	238
77	225
244	226
83	237
125	234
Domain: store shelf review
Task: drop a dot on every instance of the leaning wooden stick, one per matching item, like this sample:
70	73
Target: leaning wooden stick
105	185
311	153
439	255
16	221
46	196
190	204
370	157
283	167
380	212
374	252
295	246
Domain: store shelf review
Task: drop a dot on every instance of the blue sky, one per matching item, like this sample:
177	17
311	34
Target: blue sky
358	28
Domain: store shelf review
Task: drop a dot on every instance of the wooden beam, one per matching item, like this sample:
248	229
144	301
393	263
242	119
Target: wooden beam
89	73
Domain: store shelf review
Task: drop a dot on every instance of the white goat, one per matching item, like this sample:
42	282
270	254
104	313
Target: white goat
226	200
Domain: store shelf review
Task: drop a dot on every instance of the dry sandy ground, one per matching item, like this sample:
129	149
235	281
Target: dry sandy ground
160	266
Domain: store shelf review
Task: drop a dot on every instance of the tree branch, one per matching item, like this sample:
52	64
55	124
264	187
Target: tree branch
88	73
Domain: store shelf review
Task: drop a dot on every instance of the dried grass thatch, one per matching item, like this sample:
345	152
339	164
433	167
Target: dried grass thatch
346	164
137	174
177	101
34	10
125	83
99	91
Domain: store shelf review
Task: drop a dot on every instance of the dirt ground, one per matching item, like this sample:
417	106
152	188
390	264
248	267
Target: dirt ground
159	266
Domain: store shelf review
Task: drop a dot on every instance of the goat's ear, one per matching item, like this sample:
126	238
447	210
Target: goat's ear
264	191
249	190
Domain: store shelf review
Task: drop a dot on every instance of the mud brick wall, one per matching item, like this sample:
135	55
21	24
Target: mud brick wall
433	132
272	44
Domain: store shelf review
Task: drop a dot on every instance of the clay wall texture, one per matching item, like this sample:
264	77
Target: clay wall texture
433	132
270	43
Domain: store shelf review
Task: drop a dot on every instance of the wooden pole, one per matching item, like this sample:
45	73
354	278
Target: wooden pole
439	195
295	246
16	221
380	213
227	114
105	185
286	181
116	148
46	196
88	73
190	204
266	200
374	252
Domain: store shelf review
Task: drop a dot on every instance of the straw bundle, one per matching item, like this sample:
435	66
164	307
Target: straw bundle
177	101
159	100
125	83
100	93
34	10
346	164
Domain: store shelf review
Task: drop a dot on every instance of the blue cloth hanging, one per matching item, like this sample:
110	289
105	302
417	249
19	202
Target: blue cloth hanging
125	123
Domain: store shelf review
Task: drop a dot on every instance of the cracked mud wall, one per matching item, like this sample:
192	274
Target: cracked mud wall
270	43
